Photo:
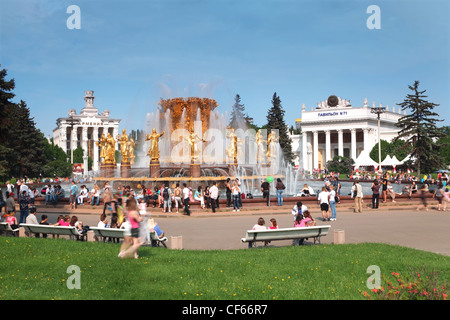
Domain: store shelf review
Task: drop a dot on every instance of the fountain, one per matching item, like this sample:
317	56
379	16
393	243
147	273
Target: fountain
188	140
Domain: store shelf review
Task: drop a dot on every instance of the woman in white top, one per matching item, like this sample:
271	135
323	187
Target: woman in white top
198	195
333	203
235	191
83	194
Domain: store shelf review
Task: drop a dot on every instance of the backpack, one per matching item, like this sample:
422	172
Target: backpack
166	194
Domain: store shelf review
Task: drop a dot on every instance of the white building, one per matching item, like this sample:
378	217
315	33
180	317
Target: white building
337	128
84	130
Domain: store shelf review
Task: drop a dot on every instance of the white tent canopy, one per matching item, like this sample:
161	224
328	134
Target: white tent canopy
364	160
387	161
391	161
396	162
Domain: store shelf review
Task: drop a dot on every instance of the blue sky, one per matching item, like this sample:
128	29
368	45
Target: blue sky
132	53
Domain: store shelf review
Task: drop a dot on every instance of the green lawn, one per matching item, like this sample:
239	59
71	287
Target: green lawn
33	268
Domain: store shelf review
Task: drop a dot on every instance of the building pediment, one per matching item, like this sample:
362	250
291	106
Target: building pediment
334	102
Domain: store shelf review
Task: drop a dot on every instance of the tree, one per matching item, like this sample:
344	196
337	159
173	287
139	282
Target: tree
398	148
237	117
444	143
419	129
275	121
340	164
56	163
6	95
78	157
26	158
24	151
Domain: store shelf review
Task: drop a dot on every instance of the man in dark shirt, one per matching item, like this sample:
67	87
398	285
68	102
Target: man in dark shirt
23	204
265	188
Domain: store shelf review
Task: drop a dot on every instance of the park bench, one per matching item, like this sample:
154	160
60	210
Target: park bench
314	232
49	229
5	227
102	233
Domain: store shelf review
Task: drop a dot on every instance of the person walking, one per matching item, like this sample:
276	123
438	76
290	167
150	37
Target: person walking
265	188
24	202
228	192
214	194
177	196
423	196
167	198
134	219
186	199
240	192
323	199
333	203
357	195
236	193
439	195
280	187
375	194
73	195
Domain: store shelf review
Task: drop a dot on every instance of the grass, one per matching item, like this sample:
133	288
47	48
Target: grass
33	268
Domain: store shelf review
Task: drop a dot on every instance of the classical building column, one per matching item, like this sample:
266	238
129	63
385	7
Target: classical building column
327	147
305	150
115	133
316	150
63	143
96	159
341	142
353	145
84	140
366	140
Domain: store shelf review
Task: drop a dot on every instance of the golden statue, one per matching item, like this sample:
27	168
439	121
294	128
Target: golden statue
110	150
193	138
259	146
123	139
271	139
232	150
130	150
153	151
102	144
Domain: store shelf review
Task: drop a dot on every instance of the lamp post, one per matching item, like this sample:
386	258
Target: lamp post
71	121
378	111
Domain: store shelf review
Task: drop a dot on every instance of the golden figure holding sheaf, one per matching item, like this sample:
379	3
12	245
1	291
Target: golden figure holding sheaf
271	139
123	140
193	138
102	144
259	146
110	146
153	151
232	150
130	150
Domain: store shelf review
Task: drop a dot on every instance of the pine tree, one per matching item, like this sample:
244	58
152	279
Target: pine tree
419	129
27	157
6	95
21	144
275	121
238	119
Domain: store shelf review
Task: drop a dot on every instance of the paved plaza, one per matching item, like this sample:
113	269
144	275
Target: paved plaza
397	225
